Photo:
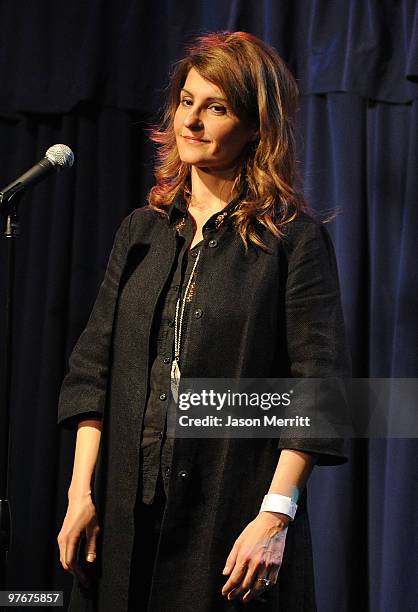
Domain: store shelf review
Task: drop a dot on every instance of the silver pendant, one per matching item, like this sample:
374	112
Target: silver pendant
175	380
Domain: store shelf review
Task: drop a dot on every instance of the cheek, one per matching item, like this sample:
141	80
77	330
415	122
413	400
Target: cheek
178	121
233	140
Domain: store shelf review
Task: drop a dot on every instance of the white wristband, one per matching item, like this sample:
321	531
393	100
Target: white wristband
273	502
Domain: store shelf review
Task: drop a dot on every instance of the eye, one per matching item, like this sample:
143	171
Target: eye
218	109
186	101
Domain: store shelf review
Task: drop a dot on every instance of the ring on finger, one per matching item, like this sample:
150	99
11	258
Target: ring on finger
266	581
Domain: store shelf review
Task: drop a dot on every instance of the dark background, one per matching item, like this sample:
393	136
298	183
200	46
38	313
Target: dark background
92	75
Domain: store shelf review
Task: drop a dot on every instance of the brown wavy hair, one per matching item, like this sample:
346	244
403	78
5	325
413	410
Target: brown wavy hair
261	91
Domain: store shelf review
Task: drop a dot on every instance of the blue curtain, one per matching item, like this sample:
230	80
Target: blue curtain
92	75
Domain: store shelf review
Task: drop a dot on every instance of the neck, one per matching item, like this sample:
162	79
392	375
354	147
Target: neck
210	192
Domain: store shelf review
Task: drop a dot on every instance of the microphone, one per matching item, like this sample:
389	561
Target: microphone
57	157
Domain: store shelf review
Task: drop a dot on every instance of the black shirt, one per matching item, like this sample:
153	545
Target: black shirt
156	447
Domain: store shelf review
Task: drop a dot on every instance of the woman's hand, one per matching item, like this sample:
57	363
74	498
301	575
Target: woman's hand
81	516
257	553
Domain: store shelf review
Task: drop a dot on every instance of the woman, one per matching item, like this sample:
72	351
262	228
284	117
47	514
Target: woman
223	275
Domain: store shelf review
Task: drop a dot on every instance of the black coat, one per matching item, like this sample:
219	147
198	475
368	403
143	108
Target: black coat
263	315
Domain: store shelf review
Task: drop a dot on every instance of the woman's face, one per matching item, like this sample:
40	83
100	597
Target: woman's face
208	134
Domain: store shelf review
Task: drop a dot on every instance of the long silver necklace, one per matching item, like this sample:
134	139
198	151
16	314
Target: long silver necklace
178	325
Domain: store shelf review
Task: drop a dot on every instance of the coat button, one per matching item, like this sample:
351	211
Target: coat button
194	254
171	324
213	243
163	396
167	471
183	474
166	360
160	435
198	313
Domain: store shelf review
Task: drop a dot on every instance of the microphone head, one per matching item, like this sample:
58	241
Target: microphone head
60	155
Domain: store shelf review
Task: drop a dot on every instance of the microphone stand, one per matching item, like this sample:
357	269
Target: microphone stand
57	157
11	232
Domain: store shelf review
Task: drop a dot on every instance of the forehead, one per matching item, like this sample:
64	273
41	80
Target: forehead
197	85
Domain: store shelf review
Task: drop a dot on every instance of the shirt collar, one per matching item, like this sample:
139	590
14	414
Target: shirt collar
178	210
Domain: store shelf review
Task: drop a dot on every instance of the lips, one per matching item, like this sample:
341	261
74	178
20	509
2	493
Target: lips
194	140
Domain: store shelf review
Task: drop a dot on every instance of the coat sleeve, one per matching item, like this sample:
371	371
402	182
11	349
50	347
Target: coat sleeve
83	390
315	333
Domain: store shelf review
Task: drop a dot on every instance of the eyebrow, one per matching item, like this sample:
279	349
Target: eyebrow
207	99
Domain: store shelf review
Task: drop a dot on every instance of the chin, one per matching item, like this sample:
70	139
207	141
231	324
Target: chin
194	160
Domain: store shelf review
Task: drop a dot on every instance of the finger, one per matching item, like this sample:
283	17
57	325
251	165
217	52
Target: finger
252	594
259	586
70	551
231	560
71	561
92	531
247	581
69	564
235	578
63	545
60	548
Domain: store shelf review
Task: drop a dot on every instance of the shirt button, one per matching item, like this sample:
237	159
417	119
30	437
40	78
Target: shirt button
166	360
171	324
163	396
194	254
213	243
183	474
175	287
198	313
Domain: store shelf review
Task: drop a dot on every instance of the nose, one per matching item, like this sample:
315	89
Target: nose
192	120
